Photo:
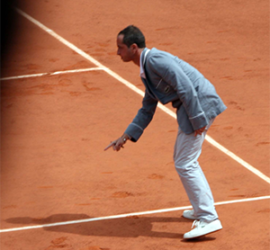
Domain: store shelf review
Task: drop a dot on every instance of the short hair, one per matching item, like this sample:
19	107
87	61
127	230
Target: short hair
132	35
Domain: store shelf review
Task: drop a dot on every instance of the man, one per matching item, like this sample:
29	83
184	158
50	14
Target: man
170	79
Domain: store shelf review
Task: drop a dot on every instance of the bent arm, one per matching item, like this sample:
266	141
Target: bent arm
143	118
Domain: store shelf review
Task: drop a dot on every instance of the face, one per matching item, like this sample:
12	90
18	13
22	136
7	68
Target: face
126	53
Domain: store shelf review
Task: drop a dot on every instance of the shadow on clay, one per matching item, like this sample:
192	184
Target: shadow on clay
130	227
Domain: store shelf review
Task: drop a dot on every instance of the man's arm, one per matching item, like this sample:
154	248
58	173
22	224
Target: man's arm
139	123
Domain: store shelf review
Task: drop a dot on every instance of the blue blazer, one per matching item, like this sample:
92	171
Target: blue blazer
170	79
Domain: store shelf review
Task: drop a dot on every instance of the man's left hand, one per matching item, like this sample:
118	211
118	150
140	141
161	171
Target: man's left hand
199	131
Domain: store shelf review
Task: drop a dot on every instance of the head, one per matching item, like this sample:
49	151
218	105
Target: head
130	42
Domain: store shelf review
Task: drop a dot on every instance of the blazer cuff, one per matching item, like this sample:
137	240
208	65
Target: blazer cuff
134	131
198	121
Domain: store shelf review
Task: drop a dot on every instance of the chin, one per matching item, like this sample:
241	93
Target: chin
125	60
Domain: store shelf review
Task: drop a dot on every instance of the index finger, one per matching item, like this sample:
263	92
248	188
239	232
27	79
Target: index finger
110	145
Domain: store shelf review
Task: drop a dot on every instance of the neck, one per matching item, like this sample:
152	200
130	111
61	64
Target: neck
137	57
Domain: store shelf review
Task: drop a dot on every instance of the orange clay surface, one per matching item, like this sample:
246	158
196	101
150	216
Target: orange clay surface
54	128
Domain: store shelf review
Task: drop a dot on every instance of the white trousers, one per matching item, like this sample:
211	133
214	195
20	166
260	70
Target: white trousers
186	153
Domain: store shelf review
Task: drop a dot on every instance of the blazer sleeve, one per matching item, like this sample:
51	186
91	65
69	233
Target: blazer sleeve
171	72
143	117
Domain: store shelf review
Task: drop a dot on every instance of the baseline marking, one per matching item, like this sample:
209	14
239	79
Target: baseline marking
140	92
50	74
125	215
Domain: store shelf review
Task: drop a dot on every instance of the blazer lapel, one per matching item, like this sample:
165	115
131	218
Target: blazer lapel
147	81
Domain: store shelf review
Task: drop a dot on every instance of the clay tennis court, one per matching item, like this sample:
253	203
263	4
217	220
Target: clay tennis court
65	95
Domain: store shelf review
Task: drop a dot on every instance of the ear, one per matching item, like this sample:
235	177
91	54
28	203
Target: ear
134	47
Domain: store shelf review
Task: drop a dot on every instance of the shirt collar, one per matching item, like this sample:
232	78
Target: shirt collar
142	62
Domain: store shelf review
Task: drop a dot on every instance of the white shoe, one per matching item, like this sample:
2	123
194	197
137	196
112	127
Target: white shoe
189	214
202	228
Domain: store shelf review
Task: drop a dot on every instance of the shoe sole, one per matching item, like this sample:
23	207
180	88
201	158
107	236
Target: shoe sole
190	218
196	237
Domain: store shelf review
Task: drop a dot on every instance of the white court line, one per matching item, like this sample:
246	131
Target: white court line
50	74
140	92
126	215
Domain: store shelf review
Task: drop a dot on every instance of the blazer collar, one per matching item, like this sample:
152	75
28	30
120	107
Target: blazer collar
142	62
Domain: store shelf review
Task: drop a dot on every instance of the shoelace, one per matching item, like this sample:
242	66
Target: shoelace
195	223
